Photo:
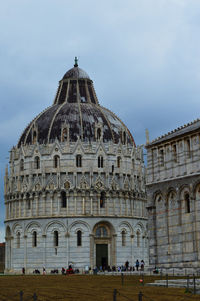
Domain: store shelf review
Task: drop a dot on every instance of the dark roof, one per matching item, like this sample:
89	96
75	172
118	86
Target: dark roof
76	72
76	107
180	131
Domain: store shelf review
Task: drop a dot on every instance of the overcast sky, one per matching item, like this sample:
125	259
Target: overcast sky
143	56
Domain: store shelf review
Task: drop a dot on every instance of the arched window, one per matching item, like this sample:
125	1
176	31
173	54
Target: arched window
123	238
123	138
138	238
34	137
37	162
118	162
102	199
161	153
101	232
18	240
78	161
34	239
79	238
187	203
98	134
22	164
100	162
28	201
55	238
64	134
63	199
56	161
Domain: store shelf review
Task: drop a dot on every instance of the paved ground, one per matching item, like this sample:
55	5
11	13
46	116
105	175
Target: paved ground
87	288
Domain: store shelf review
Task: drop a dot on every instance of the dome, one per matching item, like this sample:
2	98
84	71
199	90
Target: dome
76	114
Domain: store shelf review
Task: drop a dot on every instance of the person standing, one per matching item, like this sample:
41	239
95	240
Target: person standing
142	265
137	264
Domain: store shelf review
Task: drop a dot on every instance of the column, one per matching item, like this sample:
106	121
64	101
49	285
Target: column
24	202
19	208
59	201
44	203
25	251
44	250
37	208
132	253
92	263
91	205
51	200
83	205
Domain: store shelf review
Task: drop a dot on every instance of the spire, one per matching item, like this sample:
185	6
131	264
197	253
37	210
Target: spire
147	136
76	62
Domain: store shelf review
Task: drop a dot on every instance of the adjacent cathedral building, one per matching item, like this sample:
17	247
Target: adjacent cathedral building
173	189
75	188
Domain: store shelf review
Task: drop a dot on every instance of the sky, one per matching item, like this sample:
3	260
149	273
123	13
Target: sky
142	55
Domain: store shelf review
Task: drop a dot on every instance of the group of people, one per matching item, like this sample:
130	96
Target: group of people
126	267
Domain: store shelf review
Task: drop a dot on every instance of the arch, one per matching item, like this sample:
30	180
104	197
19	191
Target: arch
100	161
156	195
15	226
109	226
56	238
18	239
79	238
123	233
63	199
64	134
124	225
98	134
187	202
140	226
182	189
196	189
102	199
56	161
34	239
37	162
51	223
78	161
138	238
79	222
101	231
32	224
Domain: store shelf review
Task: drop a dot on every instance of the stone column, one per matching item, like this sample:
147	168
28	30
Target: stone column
44	250
92	263
25	251
98	202
83	205
132	250
24	202
44	203
67	235
75	202
19	208
37	205
113	259
59	201
91	204
51	200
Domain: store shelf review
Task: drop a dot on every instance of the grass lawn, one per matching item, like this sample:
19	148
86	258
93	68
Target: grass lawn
87	287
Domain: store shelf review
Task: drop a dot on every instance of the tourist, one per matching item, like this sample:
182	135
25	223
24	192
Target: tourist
142	265
137	264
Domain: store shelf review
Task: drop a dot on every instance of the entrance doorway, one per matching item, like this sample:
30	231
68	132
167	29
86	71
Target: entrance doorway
102	255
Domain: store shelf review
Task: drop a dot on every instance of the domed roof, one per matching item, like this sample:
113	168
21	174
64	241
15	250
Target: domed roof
76	113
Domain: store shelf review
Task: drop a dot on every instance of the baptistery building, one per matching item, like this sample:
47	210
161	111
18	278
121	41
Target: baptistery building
75	189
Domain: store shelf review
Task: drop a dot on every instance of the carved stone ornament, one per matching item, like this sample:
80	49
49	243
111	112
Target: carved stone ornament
67	185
